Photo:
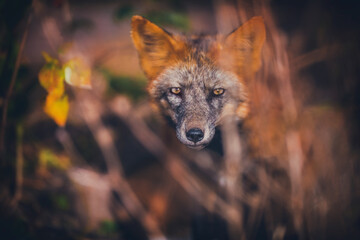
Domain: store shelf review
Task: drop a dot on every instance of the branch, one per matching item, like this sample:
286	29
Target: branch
12	84
92	111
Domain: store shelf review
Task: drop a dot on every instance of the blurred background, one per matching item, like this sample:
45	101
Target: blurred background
84	156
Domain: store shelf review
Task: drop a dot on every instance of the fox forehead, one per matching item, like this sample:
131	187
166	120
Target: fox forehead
198	68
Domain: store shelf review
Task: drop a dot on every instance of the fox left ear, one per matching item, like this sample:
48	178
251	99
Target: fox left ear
243	47
157	48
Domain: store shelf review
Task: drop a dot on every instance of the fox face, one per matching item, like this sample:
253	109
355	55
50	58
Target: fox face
199	80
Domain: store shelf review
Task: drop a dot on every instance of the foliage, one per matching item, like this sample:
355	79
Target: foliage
133	87
124	11
61	201
177	19
77	73
48	158
57	108
107	227
173	19
51	77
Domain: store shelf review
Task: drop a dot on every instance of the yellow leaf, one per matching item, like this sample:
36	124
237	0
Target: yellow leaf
57	108
51	77
78	73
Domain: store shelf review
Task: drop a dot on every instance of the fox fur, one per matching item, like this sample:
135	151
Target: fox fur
198	80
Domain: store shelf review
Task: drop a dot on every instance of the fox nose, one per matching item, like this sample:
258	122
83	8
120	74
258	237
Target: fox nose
195	135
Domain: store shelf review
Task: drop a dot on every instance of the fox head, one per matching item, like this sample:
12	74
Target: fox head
198	80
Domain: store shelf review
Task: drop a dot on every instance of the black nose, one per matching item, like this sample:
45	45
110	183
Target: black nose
195	135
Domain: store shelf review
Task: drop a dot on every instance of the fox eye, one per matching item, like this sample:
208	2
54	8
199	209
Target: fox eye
218	91
175	90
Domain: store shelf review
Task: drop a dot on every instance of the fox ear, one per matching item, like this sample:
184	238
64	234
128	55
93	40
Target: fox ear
243	46
156	47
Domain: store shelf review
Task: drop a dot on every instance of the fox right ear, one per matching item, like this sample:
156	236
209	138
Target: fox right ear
156	47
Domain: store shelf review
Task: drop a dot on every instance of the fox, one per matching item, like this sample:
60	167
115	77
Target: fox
198	80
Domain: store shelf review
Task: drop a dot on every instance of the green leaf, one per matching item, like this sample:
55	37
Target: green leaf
124	11
174	19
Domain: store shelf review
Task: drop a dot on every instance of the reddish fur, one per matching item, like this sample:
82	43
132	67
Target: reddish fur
239	52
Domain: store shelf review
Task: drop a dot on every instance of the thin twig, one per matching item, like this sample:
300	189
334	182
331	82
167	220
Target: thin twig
19	178
290	114
65	139
92	112
233	170
12	84
203	194
315	56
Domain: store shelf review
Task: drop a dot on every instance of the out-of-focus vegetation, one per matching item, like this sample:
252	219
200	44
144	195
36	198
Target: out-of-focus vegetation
12	15
133	87
172	19
165	17
98	163
124	11
53	76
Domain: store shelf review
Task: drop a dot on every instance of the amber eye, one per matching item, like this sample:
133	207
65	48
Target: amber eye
175	90
218	91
